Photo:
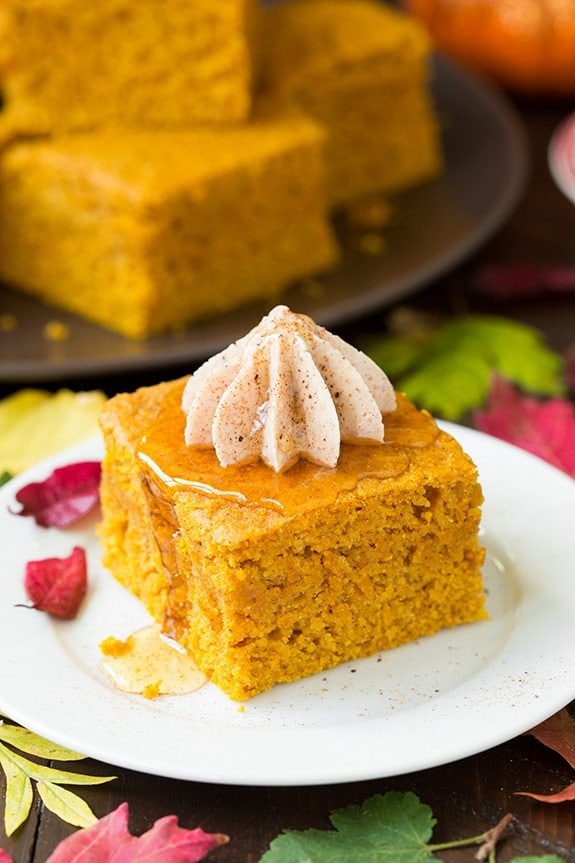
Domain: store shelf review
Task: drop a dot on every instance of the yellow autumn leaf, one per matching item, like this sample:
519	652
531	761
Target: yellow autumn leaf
33	744
51	774
34	424
19	795
66	805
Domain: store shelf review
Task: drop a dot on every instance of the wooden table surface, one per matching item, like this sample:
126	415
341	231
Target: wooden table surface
469	795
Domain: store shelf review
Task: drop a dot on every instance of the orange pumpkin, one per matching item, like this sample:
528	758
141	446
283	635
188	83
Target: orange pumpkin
526	45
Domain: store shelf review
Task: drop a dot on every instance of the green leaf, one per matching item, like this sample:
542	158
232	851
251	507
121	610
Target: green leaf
398	354
398	819
66	805
5	476
35	745
19	795
546	858
386	829
448	371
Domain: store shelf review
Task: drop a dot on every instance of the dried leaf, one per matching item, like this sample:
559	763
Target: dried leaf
544	428
109	840
507	281
19	795
57	585
66	805
557	733
36	745
560	797
63	498
448	370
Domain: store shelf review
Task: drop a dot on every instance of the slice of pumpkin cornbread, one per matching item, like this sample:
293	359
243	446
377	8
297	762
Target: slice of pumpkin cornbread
361	70
146	232
73	65
268	577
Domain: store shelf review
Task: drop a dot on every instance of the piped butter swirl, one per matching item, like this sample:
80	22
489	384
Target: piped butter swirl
289	389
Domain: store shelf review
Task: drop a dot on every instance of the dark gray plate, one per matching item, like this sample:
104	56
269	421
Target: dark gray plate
441	223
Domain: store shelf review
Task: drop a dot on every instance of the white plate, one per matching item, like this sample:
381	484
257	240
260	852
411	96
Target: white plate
430	702
561	157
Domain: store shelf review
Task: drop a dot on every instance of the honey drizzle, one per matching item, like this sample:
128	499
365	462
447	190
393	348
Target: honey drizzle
170	468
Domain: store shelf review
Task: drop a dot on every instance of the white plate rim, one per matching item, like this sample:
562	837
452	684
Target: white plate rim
530	679
561	157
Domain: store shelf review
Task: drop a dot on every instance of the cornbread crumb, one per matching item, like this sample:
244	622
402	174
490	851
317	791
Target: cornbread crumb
152	690
8	322
112	646
370	243
56	331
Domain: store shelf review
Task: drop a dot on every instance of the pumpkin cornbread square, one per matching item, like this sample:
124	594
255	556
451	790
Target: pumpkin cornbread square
146	232
73	65
361	70
267	578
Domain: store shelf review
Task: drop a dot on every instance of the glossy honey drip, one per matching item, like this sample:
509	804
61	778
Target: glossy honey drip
169	468
172	467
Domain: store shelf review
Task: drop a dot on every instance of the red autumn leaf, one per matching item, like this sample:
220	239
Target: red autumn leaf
109	841
68	494
5	857
544	428
557	733
57	585
506	281
561	796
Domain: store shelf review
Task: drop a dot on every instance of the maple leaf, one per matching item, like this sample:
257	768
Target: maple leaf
559	797
507	281
57	585
448	369
109	841
558	734
63	498
544	428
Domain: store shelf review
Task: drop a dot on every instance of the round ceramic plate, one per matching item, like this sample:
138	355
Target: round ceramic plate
441	223
430	702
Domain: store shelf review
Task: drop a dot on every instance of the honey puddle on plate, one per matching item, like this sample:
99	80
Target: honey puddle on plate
148	663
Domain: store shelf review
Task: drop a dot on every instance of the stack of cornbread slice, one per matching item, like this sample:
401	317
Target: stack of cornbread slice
162	163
